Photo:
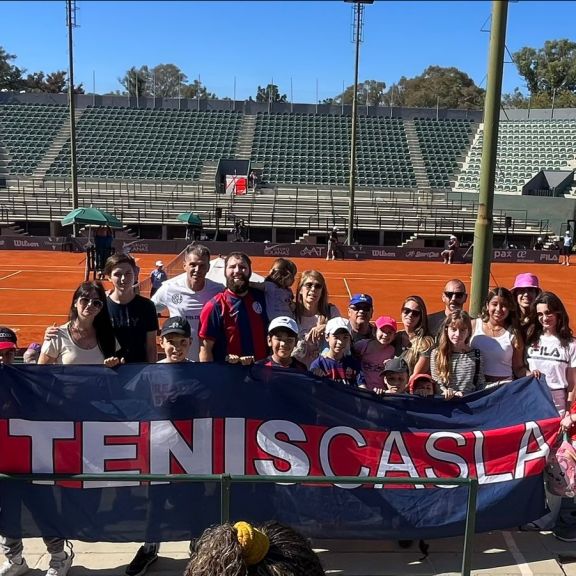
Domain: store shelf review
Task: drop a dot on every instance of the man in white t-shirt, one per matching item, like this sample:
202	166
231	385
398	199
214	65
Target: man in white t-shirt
185	294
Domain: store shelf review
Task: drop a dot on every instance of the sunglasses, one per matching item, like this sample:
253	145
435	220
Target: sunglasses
411	312
310	285
360	307
528	290
457	295
85	302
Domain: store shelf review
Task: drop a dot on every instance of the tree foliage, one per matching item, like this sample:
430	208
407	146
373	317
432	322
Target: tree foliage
270	94
197	90
10	75
437	86
370	92
548	69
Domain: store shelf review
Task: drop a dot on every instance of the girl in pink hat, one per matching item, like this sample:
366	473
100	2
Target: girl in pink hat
526	288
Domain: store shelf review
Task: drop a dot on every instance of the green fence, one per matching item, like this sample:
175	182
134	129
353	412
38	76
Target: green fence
226	481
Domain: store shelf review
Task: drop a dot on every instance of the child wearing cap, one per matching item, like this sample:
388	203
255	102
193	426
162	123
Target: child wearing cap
395	375
282	338
157	277
336	363
8	344
374	352
175	340
421	385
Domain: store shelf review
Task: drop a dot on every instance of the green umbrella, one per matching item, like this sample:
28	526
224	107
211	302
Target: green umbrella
190	218
91	216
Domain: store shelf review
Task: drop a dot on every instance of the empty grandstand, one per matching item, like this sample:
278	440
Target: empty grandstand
417	173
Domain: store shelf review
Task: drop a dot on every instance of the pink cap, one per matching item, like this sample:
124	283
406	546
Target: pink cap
383	321
526	280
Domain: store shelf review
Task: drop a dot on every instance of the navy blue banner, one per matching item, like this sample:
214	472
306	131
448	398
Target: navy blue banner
213	419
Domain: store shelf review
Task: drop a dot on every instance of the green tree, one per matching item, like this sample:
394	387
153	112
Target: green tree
549	69
54	83
10	75
270	94
166	81
136	81
371	92
445	87
197	90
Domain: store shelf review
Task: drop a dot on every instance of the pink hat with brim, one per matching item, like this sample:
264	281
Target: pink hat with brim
383	321
526	280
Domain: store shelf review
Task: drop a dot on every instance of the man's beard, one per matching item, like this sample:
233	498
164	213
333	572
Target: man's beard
237	285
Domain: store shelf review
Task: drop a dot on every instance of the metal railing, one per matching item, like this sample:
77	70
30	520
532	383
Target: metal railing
226	481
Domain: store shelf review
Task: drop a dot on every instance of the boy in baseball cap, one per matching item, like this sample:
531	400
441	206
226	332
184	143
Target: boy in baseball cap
395	375
421	385
175	340
8	345
282	338
336	363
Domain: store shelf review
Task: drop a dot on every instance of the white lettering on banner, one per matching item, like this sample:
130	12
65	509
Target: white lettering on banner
267	439
521	254
502	254
381	253
168	443
311	251
42	436
428	254
548	257
483	477
446	456
395	441
325	451
96	452
26	244
277	250
235	446
532	431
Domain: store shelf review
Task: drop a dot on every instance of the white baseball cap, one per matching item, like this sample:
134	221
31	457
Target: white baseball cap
336	324
283	322
159	263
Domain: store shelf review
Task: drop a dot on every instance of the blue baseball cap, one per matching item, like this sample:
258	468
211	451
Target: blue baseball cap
361	299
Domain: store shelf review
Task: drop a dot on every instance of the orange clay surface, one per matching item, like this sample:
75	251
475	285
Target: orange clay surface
36	287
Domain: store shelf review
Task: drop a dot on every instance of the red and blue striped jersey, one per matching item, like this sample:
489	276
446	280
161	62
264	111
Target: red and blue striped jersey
237	324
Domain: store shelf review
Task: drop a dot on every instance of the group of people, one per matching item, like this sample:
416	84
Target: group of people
447	354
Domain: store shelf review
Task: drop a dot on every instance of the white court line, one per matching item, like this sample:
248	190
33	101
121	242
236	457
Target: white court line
40	289
347	288
521	563
35	314
10	275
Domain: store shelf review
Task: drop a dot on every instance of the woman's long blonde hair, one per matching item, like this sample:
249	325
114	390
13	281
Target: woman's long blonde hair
445	348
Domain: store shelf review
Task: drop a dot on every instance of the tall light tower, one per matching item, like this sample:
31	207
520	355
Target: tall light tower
357	38
71	24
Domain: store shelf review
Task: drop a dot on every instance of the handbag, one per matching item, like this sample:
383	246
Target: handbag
560	470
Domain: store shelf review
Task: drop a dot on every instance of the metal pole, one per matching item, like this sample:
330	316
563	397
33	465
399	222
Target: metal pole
483	232
72	109
470	527
358	8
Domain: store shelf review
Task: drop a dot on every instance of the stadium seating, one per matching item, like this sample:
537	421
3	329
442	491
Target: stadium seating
157	145
524	148
27	132
442	143
311	149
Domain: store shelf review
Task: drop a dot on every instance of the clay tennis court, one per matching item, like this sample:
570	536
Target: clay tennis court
36	286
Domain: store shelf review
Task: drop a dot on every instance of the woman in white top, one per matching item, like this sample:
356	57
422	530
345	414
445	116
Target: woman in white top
313	311
87	337
497	336
551	349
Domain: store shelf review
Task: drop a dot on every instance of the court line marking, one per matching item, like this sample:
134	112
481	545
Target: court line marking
521	562
10	275
347	287
36	314
41	289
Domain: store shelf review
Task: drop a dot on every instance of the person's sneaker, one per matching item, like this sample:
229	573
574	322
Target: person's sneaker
13	569
59	564
144	557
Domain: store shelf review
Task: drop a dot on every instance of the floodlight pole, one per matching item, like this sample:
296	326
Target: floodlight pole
71	23
358	12
483	231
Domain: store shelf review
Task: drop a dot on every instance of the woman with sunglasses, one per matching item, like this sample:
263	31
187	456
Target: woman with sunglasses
87	337
414	343
313	310
497	335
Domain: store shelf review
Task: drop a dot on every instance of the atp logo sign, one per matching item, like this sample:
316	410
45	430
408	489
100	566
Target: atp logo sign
315	251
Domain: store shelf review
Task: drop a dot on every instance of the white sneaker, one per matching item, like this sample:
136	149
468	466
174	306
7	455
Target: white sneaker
13	569
59	566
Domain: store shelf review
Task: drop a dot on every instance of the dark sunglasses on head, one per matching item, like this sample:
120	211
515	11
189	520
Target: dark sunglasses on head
410	312
310	285
84	301
457	295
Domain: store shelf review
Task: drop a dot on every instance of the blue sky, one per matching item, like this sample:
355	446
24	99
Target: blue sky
304	43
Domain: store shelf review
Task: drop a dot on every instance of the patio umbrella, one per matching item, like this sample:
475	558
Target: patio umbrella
190	218
91	216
